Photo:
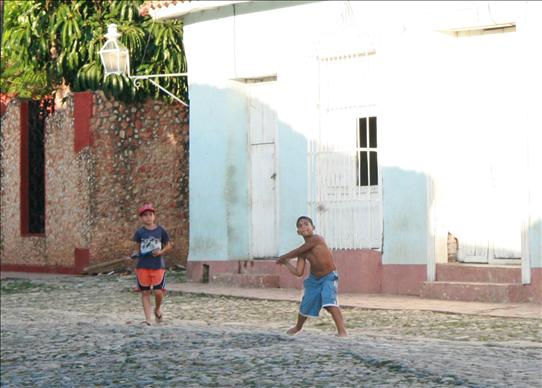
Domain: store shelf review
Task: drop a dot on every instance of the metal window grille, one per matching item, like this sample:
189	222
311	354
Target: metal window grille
347	210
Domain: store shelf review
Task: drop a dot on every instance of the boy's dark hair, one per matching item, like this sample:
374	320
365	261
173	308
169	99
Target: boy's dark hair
304	218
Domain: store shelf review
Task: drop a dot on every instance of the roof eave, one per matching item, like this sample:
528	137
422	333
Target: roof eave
181	9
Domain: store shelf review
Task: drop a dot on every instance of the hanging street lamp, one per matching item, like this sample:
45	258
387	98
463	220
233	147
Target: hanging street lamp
116	60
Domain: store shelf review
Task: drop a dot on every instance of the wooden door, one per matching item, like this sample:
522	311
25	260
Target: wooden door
494	140
263	176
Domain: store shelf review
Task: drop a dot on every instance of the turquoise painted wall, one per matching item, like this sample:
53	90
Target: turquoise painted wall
219	160
535	240
218	184
206	179
293	194
219	177
405	216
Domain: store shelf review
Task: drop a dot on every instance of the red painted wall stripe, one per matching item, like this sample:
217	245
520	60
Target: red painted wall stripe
81	259
37	268
23	168
81	120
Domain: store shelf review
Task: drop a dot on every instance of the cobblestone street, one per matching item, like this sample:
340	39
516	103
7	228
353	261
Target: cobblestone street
87	331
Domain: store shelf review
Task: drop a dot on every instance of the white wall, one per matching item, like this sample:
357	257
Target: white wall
443	118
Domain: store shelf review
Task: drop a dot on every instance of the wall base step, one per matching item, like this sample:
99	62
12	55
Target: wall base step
475	292
478	273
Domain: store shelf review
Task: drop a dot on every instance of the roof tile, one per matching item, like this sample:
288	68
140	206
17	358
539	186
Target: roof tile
149	5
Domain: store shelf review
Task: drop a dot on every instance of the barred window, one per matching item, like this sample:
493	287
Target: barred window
367	157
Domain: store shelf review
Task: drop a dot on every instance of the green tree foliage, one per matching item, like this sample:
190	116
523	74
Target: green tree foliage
47	42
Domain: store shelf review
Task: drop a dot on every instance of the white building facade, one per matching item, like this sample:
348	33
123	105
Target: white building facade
397	126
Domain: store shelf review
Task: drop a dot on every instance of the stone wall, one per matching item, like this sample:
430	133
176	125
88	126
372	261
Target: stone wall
29	250
66	197
140	153
99	168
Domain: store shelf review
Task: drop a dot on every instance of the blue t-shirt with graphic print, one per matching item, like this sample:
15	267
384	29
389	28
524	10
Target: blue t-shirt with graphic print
150	240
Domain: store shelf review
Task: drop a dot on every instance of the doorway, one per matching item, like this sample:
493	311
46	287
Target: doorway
263	169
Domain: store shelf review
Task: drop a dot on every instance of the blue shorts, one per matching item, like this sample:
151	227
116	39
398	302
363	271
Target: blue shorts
318	293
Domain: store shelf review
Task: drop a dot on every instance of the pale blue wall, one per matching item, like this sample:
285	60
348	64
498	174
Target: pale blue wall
292	166
405	216
535	240
210	115
219	177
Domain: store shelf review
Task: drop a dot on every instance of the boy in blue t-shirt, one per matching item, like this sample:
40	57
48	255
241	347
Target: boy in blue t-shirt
152	242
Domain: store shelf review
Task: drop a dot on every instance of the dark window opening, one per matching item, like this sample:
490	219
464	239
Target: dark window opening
372	132
205	273
366	157
362	142
373	170
363	176
36	166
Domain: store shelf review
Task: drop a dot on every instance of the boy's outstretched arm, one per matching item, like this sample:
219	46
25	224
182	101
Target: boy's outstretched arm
307	246
298	270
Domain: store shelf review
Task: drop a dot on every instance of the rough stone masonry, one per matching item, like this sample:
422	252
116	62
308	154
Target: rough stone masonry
98	168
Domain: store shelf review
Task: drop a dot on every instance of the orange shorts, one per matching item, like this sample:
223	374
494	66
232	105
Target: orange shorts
151	279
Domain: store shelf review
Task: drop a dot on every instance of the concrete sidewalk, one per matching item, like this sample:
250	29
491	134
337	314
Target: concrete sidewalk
366	301
371	301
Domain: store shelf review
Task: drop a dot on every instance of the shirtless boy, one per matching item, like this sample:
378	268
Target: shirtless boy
320	287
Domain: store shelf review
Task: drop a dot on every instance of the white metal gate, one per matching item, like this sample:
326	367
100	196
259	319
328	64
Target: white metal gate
347	210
